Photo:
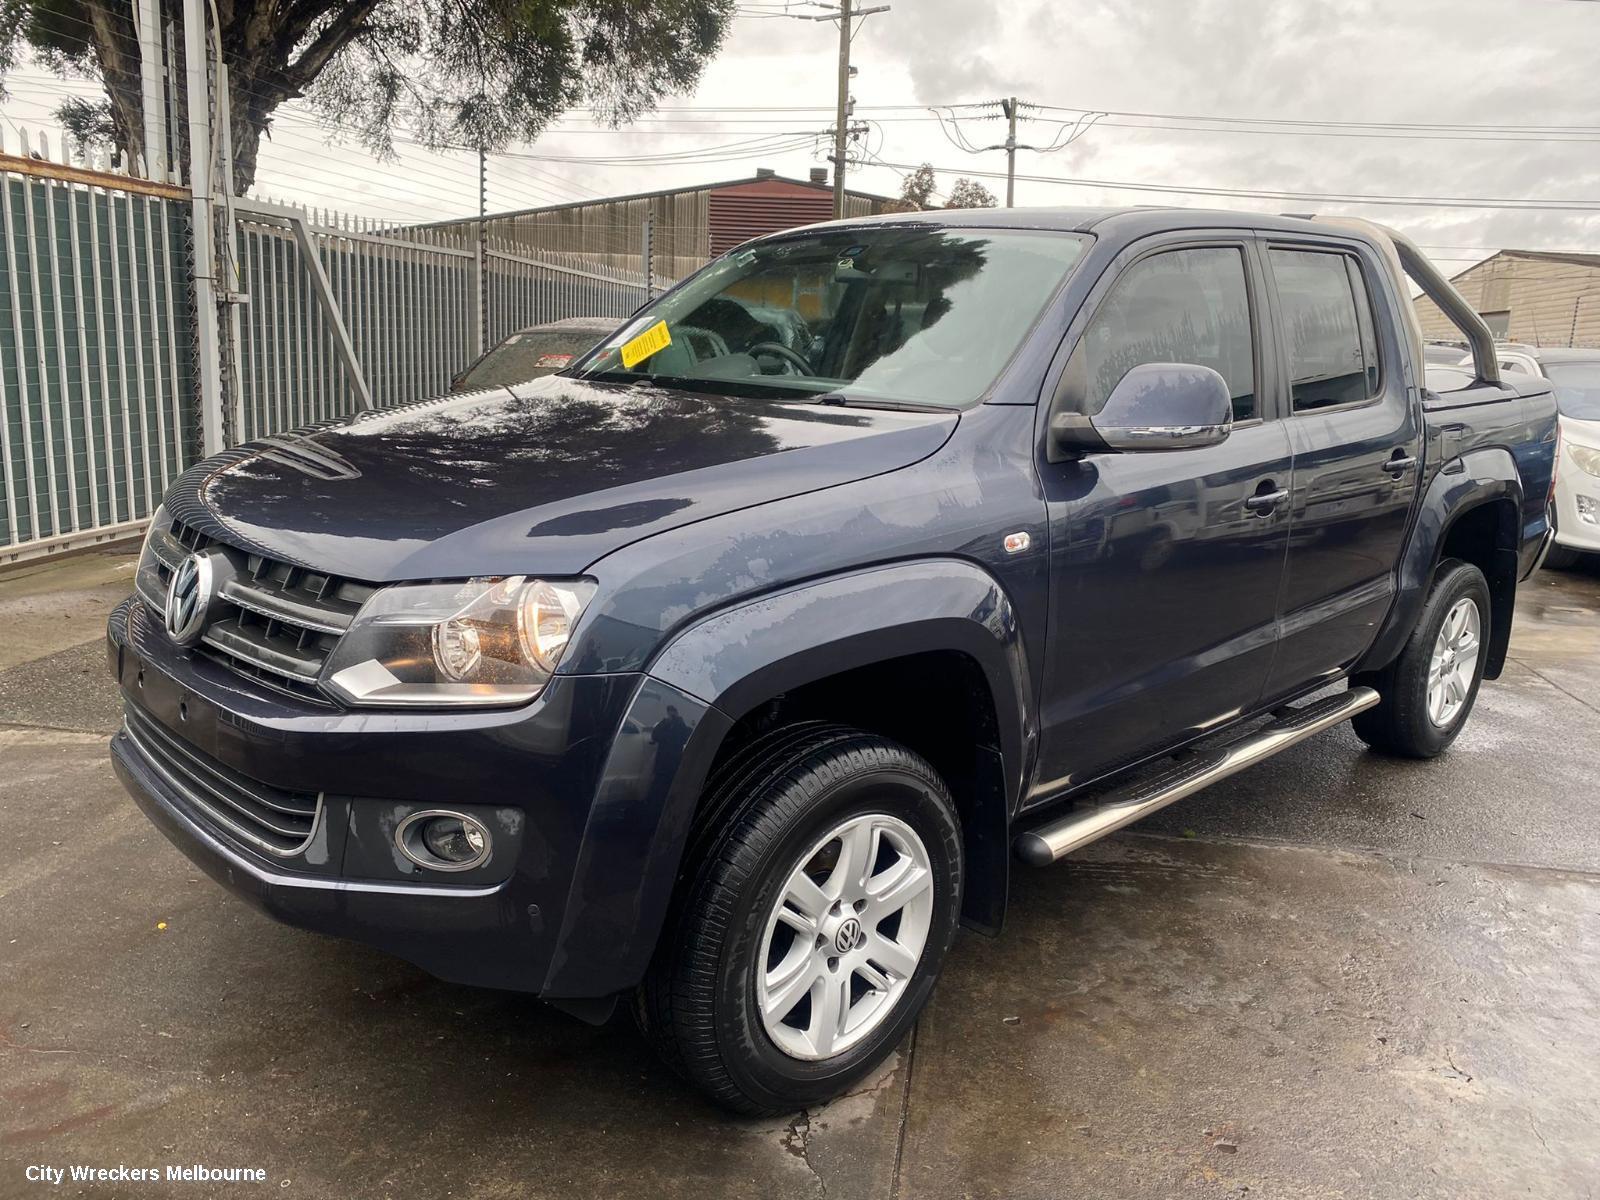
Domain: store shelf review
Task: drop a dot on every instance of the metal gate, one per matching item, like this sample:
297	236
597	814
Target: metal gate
97	413
99	410
398	316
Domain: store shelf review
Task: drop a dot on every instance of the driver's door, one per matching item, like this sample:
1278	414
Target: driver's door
1165	565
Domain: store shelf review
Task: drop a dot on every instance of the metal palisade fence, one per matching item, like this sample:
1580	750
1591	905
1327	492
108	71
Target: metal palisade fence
96	349
327	314
407	304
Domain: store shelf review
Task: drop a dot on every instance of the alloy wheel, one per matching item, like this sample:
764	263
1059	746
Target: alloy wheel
1454	663
844	936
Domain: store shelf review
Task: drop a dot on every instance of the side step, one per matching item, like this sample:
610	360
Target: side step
1048	843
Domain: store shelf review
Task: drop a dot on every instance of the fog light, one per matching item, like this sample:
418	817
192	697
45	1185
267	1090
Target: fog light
443	841
1586	510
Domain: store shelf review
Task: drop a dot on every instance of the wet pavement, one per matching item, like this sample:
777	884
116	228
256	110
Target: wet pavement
1334	975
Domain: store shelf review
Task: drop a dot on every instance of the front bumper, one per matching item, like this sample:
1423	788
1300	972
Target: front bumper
458	933
556	912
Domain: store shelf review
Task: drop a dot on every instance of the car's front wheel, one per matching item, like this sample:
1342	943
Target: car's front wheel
822	893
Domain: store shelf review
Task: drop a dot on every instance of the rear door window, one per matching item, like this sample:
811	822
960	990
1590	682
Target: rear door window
1326	316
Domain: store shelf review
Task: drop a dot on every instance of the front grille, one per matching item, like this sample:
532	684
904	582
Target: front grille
268	818
273	621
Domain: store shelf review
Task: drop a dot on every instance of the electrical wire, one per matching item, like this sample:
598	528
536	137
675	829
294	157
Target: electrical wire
1520	205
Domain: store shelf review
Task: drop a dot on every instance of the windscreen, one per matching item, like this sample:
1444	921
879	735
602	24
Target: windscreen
910	314
525	356
1577	388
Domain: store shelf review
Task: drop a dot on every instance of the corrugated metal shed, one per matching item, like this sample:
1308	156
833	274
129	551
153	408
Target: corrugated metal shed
741	211
1533	296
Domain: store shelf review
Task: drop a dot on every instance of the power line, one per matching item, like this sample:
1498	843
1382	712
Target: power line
1520	205
1419	125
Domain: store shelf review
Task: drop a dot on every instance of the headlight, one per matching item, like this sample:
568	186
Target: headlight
481	642
1587	458
147	577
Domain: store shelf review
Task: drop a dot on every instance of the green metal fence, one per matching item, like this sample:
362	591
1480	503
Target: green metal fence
97	409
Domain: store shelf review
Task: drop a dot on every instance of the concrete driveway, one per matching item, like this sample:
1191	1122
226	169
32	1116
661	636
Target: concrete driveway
1339	975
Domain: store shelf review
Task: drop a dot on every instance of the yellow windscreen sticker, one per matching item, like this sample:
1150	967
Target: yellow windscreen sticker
652	341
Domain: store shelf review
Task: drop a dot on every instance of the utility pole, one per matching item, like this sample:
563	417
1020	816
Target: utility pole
1009	106
847	15
841	118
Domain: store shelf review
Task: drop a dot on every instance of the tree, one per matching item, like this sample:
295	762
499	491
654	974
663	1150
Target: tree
463	73
969	193
916	193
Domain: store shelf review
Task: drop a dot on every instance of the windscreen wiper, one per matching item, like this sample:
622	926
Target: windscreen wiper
841	401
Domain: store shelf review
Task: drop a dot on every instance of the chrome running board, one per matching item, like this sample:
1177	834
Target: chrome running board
1049	842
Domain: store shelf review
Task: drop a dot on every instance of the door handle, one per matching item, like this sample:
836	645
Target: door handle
1265	502
1400	464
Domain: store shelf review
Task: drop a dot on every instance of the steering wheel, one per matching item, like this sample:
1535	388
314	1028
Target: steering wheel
789	356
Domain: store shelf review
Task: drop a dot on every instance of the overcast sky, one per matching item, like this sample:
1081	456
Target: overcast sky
1474	62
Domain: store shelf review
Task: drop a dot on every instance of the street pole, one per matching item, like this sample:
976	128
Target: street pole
647	254
147	27
482	261
203	227
1010	107
841	127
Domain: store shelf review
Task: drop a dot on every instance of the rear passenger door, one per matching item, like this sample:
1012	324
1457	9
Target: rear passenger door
1355	431
1165	565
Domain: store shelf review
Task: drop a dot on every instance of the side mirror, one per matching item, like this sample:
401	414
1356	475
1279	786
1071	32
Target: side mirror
1156	406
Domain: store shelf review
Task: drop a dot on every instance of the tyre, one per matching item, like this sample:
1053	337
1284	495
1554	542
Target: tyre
821	892
1562	558
1428	691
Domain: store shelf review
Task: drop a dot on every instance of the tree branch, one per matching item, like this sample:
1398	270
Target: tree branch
335	36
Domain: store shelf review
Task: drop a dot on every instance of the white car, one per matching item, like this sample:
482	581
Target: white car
1574	376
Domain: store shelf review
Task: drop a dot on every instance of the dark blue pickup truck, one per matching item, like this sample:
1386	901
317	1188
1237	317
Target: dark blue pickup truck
728	671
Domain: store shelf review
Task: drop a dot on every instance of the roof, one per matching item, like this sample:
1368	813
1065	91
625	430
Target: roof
673	191
1572	259
1125	220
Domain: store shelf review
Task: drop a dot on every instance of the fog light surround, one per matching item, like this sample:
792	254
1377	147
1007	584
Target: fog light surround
437	839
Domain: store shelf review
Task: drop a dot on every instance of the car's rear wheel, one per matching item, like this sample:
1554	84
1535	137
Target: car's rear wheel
1429	690
820	897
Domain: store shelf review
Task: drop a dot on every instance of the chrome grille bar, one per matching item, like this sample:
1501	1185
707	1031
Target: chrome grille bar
278	822
278	622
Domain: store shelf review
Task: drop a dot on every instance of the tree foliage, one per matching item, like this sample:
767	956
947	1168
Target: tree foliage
916	192
462	73
969	193
919	192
